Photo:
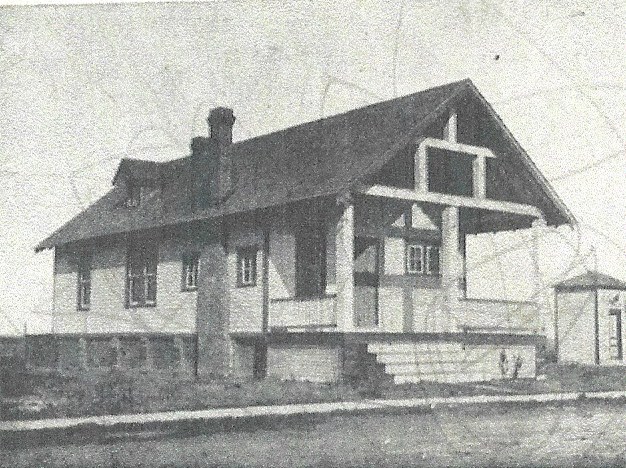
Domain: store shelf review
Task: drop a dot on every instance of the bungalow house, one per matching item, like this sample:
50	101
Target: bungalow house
589	309
305	253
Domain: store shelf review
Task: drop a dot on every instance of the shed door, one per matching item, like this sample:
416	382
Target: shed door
366	279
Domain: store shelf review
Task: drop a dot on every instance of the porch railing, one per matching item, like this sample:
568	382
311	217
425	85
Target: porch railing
319	312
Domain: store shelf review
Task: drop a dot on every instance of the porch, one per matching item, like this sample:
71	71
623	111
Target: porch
390	255
384	265
426	313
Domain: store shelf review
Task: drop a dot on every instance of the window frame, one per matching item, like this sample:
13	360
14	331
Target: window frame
146	272
412	247
247	253
425	255
190	259
83	269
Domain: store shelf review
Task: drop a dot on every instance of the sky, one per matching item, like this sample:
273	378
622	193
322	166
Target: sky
83	86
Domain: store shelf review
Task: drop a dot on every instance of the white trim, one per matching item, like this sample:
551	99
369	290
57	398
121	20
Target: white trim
457	147
453	200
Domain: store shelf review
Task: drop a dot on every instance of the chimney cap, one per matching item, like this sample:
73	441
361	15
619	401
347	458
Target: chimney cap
221	115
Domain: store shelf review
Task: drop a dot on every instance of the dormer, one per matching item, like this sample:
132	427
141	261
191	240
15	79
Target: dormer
136	178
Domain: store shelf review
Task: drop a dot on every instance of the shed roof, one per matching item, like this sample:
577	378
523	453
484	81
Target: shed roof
589	281
319	158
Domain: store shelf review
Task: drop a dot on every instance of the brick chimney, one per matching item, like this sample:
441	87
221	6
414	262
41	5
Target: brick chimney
212	166
221	120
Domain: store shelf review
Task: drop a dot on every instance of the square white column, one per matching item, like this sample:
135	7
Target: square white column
345	267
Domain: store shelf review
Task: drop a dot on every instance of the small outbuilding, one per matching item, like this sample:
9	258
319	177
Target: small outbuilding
589	309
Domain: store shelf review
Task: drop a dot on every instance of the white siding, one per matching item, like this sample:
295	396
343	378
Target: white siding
576	327
174	312
246	303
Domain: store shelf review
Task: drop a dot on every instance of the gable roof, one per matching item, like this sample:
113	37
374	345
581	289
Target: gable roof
319	158
590	281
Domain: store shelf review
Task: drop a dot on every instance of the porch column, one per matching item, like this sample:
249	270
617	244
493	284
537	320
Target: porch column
345	265
452	260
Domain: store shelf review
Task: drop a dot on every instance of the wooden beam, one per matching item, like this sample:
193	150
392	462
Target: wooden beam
457	147
450	130
479	175
453	200
421	169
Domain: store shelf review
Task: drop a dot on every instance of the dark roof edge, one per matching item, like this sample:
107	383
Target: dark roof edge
591	280
47	242
589	287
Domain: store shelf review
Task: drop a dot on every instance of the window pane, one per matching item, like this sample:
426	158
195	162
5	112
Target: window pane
246	271
433	260
151	289
136	290
85	298
415	259
190	270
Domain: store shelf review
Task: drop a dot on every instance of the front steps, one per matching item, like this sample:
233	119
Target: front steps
448	362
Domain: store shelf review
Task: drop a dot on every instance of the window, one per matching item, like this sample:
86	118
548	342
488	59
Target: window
142	273
190	271
246	266
84	281
133	194
422	259
415	259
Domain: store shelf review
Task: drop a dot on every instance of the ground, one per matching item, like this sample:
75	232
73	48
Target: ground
52	395
583	433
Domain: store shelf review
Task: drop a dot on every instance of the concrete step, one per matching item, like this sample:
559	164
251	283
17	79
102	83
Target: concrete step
406	368
385	347
440	378
430	368
397	358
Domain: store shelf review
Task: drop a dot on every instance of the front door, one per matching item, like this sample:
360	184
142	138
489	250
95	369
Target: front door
366	279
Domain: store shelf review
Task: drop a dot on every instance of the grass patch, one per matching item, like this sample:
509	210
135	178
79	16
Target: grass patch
116	392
